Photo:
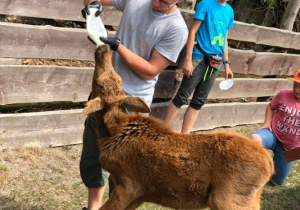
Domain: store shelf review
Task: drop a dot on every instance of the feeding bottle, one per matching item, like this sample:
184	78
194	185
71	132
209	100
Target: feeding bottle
95	27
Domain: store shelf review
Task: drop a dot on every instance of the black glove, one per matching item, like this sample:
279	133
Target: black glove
94	4
112	42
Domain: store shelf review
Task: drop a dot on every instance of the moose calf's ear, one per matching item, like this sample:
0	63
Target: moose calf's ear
135	104
92	106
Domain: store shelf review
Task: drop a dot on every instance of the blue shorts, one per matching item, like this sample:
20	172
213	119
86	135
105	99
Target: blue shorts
282	168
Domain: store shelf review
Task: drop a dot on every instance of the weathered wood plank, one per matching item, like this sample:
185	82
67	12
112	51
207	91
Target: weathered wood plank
247	87
70	10
34	84
263	63
265	35
20	41
57	128
27	41
10	61
43	129
56	9
217	115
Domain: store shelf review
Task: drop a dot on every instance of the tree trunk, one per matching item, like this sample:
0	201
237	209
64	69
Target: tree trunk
290	15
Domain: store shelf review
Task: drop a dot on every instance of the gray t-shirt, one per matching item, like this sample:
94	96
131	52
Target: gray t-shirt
143	29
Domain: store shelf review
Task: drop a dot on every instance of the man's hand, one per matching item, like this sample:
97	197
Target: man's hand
112	42
94	4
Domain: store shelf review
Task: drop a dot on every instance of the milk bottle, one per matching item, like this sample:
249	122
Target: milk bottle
95	27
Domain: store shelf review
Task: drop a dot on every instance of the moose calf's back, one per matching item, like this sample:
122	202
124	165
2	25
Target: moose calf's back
186	170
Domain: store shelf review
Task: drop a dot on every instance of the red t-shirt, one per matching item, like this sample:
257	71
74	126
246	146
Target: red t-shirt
286	119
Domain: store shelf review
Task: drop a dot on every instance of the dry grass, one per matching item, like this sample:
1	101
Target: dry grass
48	178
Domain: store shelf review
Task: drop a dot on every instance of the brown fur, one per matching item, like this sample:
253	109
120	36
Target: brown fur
149	162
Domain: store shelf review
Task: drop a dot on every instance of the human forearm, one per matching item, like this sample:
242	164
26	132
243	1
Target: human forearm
145	69
228	72
268	114
189	47
226	56
268	117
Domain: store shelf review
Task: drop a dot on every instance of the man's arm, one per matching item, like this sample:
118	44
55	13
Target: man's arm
268	118
103	2
145	69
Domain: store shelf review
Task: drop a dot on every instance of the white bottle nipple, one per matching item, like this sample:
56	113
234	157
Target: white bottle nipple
95	27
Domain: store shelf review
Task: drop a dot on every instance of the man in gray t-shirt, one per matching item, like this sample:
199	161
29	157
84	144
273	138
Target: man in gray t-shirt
151	35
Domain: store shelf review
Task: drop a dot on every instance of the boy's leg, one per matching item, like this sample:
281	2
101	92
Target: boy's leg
186	88
92	174
189	119
171	113
95	197
200	94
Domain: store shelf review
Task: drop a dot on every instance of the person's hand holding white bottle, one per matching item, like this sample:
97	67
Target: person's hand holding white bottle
94	25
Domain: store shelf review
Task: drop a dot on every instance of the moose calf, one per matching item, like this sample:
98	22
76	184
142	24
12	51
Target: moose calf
149	162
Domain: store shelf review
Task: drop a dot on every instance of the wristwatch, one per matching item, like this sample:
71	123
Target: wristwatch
226	61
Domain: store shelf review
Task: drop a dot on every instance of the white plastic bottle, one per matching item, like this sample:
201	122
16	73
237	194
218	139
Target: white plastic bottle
95	27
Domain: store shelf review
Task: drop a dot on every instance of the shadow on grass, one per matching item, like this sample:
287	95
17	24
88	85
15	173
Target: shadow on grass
278	198
8	203
11	204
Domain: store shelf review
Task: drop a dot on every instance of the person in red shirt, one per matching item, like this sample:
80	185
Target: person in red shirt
281	128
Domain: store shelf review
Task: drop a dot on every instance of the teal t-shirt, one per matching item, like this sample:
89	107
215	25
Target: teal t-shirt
216	20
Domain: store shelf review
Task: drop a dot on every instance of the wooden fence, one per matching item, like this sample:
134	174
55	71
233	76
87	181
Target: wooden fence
27	84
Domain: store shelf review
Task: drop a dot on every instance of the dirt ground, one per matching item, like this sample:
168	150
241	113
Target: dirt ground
41	178
47	178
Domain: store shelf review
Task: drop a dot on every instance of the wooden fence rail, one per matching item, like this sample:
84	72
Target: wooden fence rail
36	84
28	84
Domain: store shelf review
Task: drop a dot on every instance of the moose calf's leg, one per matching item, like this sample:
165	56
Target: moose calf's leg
120	199
224	200
135	204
